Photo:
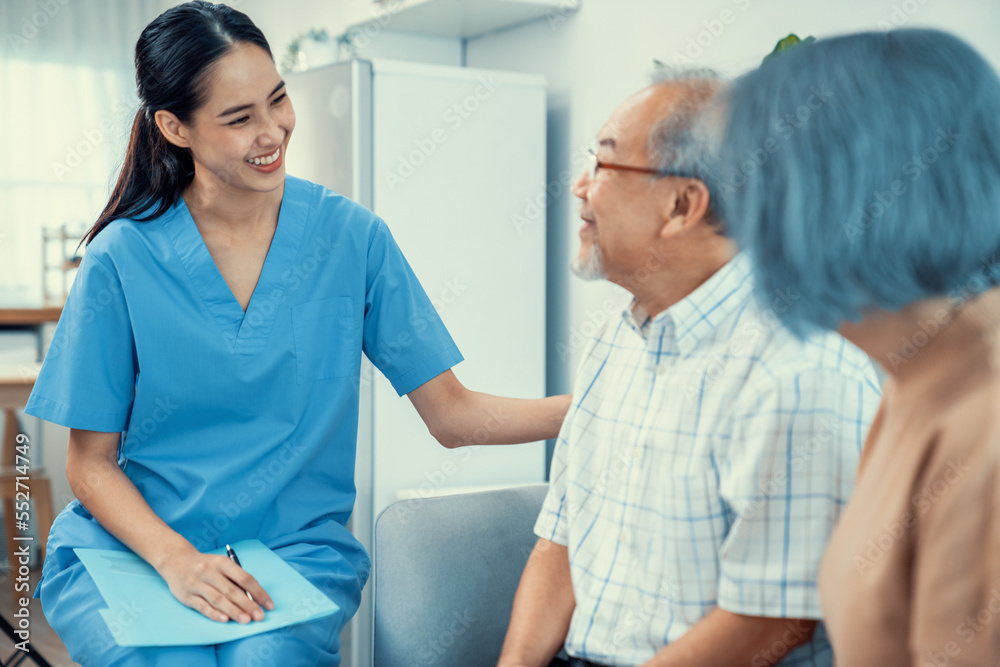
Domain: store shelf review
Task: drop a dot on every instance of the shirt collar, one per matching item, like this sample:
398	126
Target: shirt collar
690	320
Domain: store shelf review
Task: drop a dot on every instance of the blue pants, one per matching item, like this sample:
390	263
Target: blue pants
71	600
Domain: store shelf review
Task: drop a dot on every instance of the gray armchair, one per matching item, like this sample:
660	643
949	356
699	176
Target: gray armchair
446	570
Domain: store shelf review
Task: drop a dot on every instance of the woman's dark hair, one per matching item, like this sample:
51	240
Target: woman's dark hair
173	57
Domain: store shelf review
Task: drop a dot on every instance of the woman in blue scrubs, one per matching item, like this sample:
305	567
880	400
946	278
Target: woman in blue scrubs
208	358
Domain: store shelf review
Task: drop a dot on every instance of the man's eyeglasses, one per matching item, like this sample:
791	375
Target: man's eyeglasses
596	164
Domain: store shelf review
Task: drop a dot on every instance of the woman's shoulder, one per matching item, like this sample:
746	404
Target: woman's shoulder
330	207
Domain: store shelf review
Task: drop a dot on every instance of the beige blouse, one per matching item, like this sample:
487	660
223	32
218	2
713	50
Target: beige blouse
912	573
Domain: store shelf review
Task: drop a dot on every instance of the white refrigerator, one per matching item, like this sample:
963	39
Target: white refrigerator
453	159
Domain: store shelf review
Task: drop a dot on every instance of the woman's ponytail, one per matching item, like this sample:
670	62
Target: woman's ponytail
154	172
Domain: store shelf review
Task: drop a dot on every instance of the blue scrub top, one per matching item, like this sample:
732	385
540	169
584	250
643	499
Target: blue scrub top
237	425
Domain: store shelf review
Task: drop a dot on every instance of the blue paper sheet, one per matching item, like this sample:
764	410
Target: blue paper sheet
143	612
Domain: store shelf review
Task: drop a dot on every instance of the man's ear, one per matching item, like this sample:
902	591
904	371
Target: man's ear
688	205
172	128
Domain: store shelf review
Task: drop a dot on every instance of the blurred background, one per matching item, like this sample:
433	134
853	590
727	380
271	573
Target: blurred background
462	122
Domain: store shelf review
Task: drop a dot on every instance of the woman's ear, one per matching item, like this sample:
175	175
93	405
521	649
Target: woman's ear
172	128
689	205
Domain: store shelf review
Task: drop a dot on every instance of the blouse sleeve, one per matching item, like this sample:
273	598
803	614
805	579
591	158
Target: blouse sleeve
87	379
403	335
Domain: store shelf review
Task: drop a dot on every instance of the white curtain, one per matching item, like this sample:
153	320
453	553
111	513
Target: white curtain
67	99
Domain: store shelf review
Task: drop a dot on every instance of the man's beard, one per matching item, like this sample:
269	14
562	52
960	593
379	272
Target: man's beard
590	266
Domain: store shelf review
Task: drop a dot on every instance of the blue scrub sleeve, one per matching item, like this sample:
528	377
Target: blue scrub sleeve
87	380
403	335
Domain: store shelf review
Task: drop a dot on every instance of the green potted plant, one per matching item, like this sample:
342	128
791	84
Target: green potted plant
309	49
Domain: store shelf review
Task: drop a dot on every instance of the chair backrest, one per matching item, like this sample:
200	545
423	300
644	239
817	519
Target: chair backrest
446	570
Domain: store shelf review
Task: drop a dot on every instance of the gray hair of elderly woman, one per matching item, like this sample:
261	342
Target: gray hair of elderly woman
864	170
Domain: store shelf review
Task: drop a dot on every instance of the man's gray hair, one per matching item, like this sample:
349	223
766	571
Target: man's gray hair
684	142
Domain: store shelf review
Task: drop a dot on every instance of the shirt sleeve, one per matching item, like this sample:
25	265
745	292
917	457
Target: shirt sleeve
787	473
403	335
87	379
553	519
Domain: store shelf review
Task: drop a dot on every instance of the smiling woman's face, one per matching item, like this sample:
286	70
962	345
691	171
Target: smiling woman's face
240	134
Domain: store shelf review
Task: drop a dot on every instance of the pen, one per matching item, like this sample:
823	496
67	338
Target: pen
232	557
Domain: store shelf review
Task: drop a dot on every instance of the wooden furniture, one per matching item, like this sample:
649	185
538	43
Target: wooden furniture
15	387
67	259
29	317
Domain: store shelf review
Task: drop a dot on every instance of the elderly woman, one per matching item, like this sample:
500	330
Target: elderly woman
865	174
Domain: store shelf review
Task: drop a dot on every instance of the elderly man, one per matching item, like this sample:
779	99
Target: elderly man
708	452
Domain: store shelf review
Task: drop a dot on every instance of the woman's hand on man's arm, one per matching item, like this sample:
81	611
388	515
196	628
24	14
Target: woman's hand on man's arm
457	416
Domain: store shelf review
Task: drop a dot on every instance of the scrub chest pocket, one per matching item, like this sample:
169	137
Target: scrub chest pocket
324	338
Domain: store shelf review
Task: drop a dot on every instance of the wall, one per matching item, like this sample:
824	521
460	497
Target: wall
282	21
596	57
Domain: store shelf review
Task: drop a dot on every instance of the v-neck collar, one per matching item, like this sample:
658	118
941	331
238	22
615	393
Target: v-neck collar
244	331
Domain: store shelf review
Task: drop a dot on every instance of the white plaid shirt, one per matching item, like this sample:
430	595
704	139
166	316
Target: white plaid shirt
703	463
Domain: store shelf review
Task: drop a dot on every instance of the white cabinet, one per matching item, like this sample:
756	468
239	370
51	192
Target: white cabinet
450	158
